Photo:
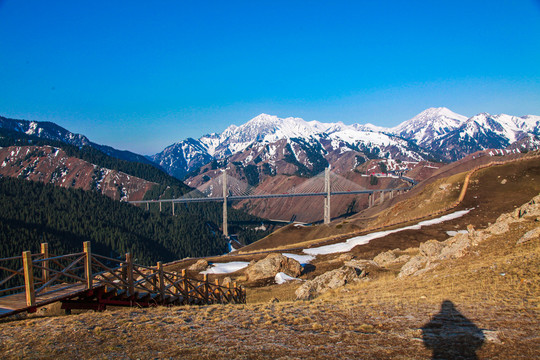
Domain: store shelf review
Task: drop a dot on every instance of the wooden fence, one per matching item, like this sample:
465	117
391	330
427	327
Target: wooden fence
87	280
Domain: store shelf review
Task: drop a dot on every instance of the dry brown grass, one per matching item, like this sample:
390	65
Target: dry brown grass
378	319
496	286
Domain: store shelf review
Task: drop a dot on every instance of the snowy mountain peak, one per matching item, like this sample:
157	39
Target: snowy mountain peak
429	124
439	132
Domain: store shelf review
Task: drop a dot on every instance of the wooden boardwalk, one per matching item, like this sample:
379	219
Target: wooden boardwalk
90	281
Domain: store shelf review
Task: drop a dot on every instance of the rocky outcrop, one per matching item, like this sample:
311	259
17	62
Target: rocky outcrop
432	251
390	257
352	270
530	235
199	266
363	267
413	265
385	258
431	248
327	281
271	265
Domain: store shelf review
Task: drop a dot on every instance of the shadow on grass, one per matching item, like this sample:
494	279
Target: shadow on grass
450	335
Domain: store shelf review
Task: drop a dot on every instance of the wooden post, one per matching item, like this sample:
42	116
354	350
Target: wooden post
217	292
45	252
185	291
129	273
176	278
29	279
88	264
160	206
147	206
205	279
161	280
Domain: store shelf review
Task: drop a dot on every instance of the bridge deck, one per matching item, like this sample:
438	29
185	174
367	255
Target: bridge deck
13	304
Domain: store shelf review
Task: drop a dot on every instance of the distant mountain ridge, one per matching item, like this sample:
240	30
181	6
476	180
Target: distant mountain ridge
293	145
436	133
52	131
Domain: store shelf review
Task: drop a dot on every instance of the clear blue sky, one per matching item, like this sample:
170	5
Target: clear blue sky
140	75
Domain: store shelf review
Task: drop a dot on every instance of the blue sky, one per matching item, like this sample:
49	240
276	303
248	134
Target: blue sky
140	75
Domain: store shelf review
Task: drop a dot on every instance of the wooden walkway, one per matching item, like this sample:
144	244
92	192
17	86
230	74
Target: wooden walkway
90	281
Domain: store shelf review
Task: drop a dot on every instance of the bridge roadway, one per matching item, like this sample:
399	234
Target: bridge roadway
266	196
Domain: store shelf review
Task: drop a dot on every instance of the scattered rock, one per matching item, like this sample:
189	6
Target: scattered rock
271	265
431	248
386	258
444	186
429	266
345	257
413	265
403	258
455	247
327	281
364	267
529	235
491	336
503	181
274	300
500	227
199	266
530	209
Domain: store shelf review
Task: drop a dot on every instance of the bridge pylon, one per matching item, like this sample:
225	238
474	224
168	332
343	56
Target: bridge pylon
327	196
225	227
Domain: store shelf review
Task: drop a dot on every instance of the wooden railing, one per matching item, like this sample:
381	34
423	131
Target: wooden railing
43	274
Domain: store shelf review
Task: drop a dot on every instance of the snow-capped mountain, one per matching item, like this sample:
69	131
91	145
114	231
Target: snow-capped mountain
429	125
485	131
436	133
298	140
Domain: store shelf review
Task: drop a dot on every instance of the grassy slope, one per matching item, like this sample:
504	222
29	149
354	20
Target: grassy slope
378	319
429	197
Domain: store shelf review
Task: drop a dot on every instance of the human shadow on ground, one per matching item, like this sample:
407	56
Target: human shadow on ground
450	335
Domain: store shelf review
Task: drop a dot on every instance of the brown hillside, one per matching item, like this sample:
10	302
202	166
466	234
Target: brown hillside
52	165
482	305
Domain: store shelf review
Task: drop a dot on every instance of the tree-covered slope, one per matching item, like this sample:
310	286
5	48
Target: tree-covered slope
32	212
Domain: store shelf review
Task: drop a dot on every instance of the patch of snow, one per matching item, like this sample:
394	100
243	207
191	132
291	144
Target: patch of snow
364	239
282	278
302	259
454	233
226	268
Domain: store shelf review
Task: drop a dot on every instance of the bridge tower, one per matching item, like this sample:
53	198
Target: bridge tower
327	196
225	227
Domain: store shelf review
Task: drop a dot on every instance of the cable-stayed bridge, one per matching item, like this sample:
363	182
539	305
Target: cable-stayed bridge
226	188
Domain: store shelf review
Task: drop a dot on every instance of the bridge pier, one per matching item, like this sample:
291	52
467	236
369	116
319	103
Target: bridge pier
225	227
328	194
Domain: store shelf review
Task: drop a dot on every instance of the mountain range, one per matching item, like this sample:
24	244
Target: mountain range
434	134
269	145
